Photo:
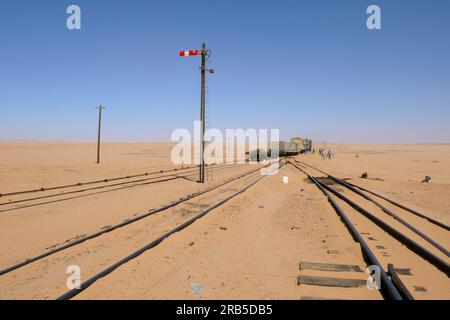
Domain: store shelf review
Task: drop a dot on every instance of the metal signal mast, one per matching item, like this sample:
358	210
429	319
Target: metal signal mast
205	55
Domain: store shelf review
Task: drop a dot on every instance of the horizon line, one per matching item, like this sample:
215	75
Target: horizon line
174	142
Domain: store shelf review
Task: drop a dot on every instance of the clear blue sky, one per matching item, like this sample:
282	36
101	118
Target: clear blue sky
309	68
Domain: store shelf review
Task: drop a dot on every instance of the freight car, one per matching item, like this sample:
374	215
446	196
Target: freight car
292	148
300	142
258	155
305	145
288	149
308	145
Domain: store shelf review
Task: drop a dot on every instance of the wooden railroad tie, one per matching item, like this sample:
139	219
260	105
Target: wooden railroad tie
329	267
331	282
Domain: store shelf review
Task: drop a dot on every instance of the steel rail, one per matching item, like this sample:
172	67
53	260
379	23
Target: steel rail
408	242
175	176
388	290
72	293
393	215
93	182
399	283
121	187
87	189
430	219
87	182
386	210
122	224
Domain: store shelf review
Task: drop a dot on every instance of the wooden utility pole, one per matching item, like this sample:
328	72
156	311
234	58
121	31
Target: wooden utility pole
100	108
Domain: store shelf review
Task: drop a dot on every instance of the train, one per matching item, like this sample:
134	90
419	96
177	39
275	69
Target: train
286	148
305	145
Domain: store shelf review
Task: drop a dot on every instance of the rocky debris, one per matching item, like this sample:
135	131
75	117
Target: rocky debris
427	179
365	175
196	288
420	289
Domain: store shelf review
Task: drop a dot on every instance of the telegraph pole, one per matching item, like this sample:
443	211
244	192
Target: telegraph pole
100	108
202	116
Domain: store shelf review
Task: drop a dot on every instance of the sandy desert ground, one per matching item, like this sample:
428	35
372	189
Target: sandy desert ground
248	248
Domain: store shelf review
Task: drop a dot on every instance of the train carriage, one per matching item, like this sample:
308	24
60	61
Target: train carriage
294	147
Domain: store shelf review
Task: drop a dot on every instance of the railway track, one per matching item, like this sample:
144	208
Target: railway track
388	200
13	205
412	264
386	204
78	184
98	251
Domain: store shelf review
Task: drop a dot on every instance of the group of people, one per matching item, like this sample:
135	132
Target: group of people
324	154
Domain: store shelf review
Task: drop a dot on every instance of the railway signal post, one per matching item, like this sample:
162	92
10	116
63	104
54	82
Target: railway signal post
205	54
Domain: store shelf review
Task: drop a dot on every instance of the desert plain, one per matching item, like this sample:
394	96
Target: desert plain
248	248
